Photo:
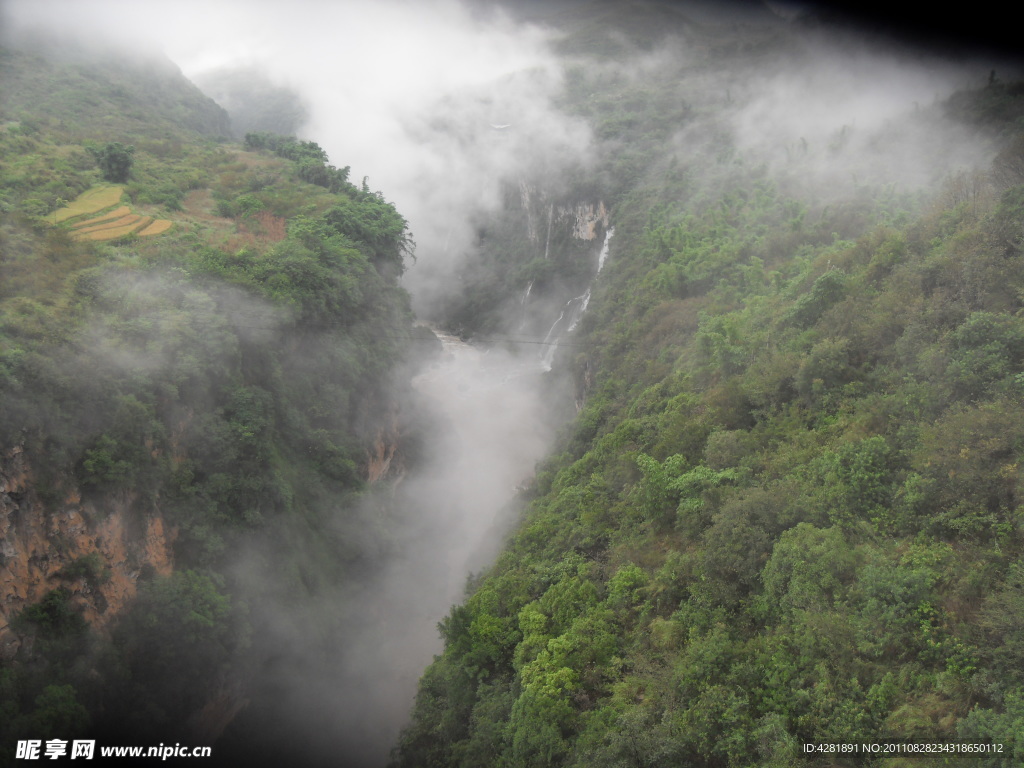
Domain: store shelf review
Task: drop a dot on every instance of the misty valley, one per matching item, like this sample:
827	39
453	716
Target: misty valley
479	384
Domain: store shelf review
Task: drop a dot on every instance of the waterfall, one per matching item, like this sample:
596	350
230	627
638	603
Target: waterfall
604	248
547	352
547	242
573	309
524	309
526	294
579	311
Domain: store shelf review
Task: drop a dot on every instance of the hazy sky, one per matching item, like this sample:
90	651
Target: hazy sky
406	93
373	73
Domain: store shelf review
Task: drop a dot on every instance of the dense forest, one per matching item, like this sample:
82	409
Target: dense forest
788	511
198	351
784	507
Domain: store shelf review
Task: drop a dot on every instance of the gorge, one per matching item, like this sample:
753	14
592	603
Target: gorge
661	408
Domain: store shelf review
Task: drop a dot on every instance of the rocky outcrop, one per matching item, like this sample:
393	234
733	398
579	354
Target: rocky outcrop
588	219
208	724
584	220
96	550
383	459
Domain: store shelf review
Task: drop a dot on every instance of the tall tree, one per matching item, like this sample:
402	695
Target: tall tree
115	160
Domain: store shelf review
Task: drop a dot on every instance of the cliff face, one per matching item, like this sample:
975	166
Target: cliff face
588	219
40	545
184	446
583	220
383	457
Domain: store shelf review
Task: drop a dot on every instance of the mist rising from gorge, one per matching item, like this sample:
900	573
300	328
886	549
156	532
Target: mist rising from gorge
408	95
417	97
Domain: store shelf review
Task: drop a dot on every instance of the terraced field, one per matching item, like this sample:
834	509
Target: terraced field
111	220
114	214
90	201
155	228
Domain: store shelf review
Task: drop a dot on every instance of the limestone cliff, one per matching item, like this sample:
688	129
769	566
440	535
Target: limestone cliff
41	541
383	457
584	220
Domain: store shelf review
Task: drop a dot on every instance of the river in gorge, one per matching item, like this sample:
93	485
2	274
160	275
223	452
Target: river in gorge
492	408
485	414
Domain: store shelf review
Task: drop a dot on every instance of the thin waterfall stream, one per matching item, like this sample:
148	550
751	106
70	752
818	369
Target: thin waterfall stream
572	312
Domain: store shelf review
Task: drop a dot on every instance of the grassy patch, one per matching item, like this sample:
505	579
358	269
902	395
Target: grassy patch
156	228
121	221
112	224
117	213
90	201
112	233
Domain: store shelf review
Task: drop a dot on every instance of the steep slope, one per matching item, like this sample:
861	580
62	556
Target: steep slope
789	509
77	90
254	102
179	412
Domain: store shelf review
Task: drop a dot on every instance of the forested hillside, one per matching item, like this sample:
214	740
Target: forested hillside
789	510
775	261
198	351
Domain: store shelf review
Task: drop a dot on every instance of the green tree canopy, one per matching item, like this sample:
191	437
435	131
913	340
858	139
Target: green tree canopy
115	160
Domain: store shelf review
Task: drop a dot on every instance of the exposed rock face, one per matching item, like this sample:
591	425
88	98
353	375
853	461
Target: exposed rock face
383	458
207	725
381	455
584	220
38	542
526	195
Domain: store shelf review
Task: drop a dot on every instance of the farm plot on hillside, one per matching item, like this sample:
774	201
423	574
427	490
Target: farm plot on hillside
109	222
